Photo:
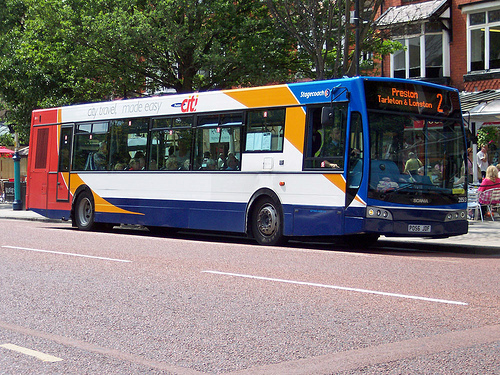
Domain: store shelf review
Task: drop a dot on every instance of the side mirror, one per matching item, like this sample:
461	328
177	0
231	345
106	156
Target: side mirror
326	116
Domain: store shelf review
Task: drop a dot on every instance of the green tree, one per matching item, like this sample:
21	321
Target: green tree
59	52
6	140
323	32
487	135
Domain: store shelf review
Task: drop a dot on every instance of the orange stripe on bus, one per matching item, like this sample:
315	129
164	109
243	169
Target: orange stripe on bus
294	128
337	180
101	204
270	96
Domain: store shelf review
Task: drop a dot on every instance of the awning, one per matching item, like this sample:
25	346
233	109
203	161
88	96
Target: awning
485	112
395	16
481	106
5	152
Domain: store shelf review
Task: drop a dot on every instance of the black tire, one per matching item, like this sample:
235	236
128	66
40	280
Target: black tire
267	223
85	212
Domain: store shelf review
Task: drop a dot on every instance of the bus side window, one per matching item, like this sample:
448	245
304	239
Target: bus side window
218	140
65	148
91	147
171	140
325	143
128	149
355	157
265	130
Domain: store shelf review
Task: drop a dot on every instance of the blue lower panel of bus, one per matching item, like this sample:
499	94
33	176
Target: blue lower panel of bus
317	221
223	216
215	216
52	214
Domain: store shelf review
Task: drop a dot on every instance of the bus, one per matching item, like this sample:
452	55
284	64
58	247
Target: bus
355	157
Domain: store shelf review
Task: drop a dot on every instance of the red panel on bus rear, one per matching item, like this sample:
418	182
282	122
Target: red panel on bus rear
45	116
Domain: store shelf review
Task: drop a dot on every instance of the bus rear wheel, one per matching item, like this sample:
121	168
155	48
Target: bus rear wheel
267	226
84	211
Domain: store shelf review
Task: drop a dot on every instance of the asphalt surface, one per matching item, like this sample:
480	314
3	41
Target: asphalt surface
482	236
174	309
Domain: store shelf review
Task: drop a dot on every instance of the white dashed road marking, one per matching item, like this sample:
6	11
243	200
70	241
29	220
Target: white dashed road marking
70	254
339	288
39	355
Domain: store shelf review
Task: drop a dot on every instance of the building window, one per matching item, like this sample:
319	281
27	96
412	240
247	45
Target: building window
483	40
423	54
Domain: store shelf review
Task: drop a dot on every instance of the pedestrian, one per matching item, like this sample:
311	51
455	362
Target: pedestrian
482	160
412	164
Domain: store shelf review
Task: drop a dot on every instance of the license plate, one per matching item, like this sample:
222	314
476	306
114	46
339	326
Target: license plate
413	228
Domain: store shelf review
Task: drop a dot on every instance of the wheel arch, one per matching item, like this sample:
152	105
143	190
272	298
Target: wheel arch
263	192
79	190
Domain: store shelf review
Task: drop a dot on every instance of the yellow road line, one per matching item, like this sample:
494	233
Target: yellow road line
41	356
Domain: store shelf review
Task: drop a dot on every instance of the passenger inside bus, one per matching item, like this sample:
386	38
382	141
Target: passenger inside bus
207	164
171	164
232	163
134	165
331	147
98	161
422	178
183	158
141	159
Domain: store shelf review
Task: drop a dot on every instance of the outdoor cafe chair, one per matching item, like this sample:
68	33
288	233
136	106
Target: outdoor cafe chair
473	204
489	198
495	201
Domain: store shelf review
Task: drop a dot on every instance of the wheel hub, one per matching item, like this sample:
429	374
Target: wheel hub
268	220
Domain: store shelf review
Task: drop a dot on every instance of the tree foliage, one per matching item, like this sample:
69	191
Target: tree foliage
58	52
68	51
324	32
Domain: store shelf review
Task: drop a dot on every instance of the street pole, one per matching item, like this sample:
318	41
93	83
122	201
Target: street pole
18	203
356	35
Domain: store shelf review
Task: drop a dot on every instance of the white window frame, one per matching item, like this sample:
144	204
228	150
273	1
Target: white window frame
478	8
421	35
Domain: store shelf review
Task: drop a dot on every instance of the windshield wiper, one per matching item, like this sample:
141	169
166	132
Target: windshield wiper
412	187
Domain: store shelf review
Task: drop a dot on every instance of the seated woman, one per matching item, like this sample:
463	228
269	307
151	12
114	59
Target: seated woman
491	181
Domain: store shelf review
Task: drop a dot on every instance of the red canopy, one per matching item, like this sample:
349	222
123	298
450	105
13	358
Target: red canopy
5	152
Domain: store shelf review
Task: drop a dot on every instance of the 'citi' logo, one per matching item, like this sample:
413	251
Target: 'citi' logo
189	104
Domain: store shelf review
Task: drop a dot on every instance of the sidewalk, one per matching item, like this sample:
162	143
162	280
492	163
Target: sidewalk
483	236
6	212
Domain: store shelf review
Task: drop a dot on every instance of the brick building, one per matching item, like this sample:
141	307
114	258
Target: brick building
452	42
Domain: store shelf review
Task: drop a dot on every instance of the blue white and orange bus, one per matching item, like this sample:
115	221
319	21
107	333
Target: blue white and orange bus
316	159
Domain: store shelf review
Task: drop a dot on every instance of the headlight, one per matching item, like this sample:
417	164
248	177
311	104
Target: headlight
378	213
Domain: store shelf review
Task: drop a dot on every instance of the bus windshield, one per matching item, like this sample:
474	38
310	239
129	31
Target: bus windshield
416	159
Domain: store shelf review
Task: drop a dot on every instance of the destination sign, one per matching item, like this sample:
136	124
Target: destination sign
411	97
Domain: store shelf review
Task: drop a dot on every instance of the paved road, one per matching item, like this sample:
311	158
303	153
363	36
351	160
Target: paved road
131	302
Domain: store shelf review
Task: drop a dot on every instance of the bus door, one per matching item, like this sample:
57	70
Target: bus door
63	177
39	168
59	167
354	208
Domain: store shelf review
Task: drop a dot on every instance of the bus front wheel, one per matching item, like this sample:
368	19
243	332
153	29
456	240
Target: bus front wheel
84	211
267	227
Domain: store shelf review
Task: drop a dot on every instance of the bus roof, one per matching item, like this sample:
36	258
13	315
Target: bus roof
292	94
